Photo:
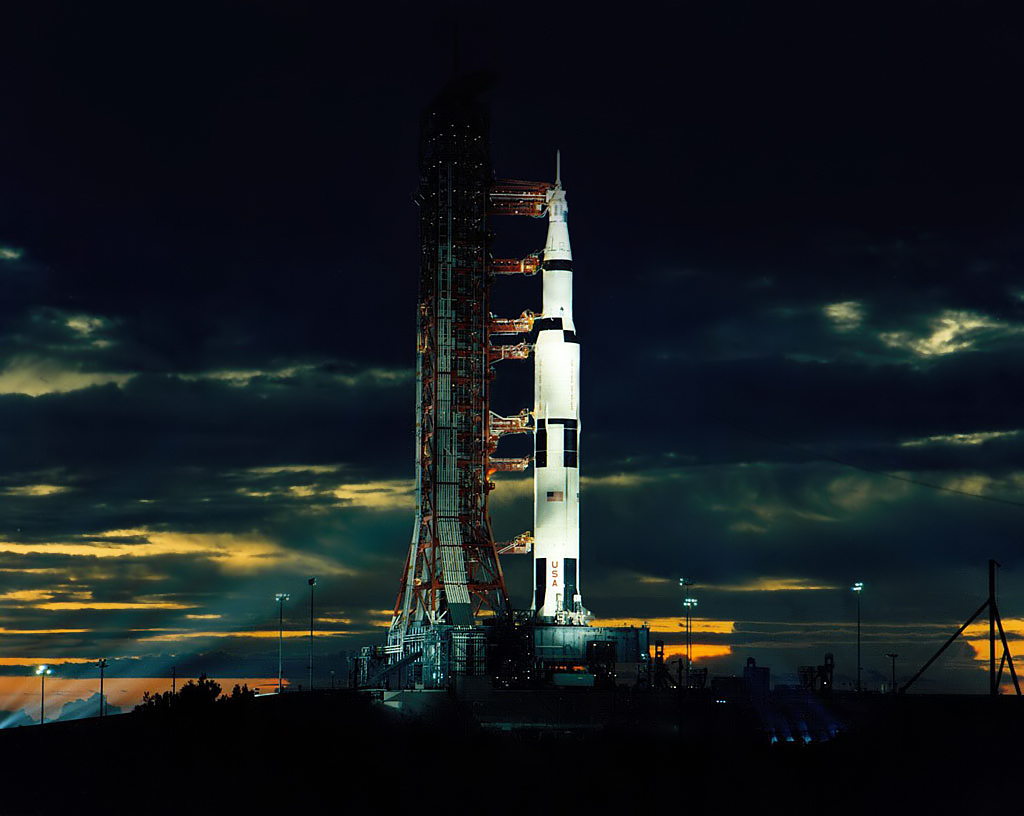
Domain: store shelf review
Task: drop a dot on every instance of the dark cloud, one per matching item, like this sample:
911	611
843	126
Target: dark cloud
799	268
162	423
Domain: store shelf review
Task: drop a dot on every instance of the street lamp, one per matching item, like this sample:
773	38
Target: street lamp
281	597
312	583
858	588
42	671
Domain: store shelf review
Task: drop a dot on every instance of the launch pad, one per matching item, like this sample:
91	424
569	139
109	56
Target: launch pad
514	652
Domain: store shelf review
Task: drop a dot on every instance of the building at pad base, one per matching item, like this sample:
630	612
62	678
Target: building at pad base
452	617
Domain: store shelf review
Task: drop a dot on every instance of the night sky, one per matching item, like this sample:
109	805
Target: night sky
798	247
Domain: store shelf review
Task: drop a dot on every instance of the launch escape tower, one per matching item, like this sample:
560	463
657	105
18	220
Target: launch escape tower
452	581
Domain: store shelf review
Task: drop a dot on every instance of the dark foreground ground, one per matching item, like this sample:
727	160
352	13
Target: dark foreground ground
336	752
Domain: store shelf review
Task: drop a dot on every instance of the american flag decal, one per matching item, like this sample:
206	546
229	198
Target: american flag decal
556	495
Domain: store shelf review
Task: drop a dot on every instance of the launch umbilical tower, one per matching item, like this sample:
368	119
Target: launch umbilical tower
452	575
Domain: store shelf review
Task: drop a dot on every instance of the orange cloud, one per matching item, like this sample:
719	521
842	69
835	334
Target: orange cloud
671	624
652	579
20	596
1014	628
36	490
265	633
79	605
976	636
699	651
38	661
234	553
769	584
125	692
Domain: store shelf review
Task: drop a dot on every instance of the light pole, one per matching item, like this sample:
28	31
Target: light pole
858	588
688	603
312	583
42	671
103	665
281	598
892	656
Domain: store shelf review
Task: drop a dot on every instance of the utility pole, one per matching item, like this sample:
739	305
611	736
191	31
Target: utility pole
312	583
994	622
892	656
993	681
102	664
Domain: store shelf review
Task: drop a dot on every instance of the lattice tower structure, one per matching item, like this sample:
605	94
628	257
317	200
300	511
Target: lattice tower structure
452	573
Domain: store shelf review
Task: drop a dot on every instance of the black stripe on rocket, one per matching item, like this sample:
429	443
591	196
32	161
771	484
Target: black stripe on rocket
570	442
557	264
543	324
569	576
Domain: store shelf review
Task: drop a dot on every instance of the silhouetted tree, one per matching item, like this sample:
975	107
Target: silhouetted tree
198	694
240	694
194	695
156	701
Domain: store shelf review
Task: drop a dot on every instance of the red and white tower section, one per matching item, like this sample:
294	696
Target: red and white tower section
556	551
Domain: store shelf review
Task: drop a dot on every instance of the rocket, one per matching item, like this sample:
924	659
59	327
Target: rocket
556	481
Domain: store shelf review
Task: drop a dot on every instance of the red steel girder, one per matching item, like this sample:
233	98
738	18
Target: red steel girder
519	351
522	544
512	325
499	426
514	197
518	464
529	265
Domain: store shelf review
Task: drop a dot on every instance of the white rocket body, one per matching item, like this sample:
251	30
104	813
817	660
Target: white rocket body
556	504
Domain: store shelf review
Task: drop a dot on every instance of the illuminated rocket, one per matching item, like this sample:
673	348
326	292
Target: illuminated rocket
556	409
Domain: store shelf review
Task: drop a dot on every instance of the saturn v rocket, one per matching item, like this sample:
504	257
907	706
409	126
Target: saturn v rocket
556	411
